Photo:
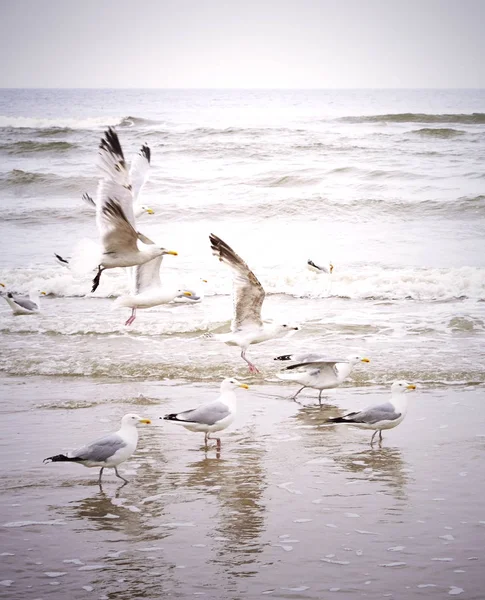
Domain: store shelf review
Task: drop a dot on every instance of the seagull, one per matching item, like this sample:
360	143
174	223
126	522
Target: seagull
21	305
248	295
317	372
213	416
147	288
139	172
328	269
108	451
114	213
381	416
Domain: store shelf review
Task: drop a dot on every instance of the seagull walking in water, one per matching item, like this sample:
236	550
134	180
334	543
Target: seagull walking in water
108	451
22	305
381	416
114	213
213	416
247	326
316	372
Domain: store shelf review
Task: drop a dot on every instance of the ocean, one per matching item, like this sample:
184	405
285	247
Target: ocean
388	186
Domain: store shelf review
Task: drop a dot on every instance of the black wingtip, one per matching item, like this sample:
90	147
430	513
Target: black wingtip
170	417
60	259
111	143
283	357
146	152
58	458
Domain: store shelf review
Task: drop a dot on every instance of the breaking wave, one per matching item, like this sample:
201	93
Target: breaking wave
466	119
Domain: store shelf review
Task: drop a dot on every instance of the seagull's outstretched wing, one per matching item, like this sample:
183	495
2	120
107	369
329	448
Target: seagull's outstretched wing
117	234
248	293
322	364
114	180
140	170
88	200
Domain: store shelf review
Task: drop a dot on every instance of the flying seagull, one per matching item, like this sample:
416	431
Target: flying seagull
114	213
247	326
213	416
381	416
108	451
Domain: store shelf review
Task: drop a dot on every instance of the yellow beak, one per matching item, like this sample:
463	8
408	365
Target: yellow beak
204	280
172	252
411	386
365	360
187	294
243	385
331	268
150	211
2	284
44	293
146	421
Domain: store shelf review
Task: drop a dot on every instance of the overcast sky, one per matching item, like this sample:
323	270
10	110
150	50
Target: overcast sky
242	43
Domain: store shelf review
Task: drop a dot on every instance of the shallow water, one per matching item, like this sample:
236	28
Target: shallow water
388	186
290	507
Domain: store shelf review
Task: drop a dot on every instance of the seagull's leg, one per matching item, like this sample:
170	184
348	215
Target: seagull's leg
320	398
380	435
294	397
97	278
100	475
218	444
118	475
252	368
132	318
373	436
206	439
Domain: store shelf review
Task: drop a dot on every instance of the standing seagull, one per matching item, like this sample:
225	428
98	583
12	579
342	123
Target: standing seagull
317	372
381	416
21	305
248	295
110	450
114	213
213	416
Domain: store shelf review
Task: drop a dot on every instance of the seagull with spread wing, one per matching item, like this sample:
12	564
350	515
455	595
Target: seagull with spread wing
317	372
115	218
247	326
381	416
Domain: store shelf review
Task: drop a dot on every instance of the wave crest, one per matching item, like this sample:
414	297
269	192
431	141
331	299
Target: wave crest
467	119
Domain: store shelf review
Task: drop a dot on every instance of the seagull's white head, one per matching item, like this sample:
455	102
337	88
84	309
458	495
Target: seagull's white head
399	387
282	329
231	382
353	359
132	420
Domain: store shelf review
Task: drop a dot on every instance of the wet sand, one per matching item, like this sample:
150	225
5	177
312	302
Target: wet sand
289	509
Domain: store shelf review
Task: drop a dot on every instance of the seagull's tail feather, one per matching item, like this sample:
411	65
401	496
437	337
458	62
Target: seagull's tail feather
345	419
287	375
284	357
172	417
125	301
85	257
60	458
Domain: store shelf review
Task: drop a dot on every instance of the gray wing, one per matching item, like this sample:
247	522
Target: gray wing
87	199
374	414
139	171
208	414
248	294
100	450
117	234
24	302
